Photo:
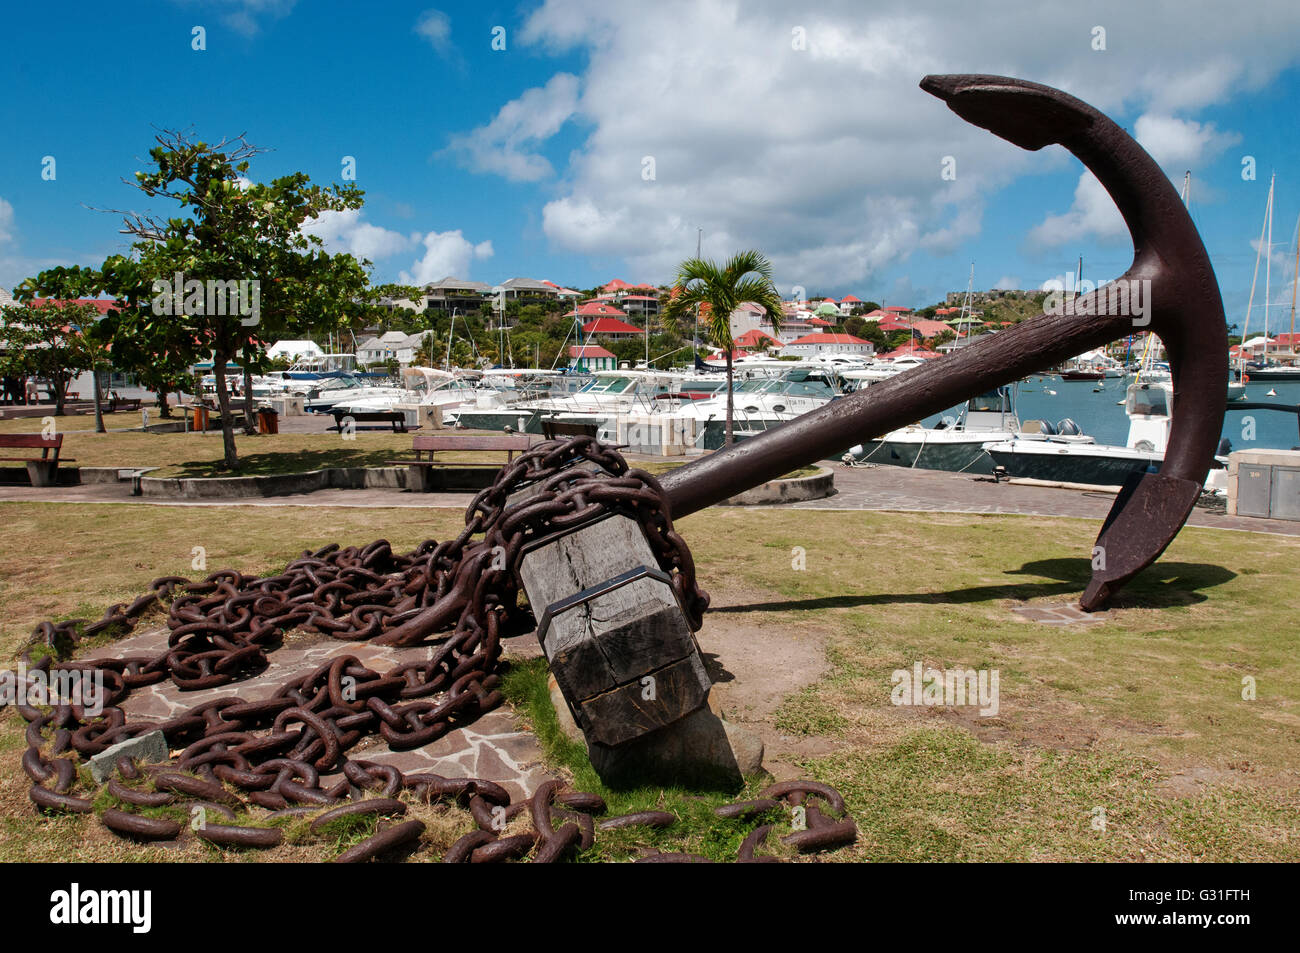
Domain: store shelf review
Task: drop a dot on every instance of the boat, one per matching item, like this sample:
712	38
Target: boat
1149	408
958	445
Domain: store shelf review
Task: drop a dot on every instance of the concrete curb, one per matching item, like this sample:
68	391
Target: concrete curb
279	484
815	487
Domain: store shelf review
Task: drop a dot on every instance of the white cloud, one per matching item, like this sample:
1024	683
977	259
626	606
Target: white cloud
445	253
1010	282
504	146
1176	144
828	158
344	231
435	26
6	222
245	16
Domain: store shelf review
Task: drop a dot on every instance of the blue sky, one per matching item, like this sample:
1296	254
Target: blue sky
802	134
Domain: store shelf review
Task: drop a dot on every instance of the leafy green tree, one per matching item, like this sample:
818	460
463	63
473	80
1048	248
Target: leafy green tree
231	234
50	340
746	276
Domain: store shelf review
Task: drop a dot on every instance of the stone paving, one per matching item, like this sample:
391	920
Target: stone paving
873	488
1059	614
491	747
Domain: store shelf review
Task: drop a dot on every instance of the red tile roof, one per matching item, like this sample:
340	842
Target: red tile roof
610	326
851	299
588	350
598	309
899	309
102	305
756	338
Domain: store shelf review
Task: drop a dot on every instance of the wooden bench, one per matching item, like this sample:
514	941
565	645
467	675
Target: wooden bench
117	405
395	417
42	470
553	429
420	469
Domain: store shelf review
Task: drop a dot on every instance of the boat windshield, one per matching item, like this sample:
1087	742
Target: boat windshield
989	402
1144	400
608	385
808	389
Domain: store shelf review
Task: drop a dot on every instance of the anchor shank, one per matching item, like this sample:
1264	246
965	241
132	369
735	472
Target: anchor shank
830	430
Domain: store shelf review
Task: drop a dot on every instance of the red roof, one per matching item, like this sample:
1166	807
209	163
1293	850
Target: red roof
756	338
822	321
911	348
850	299
102	305
928	329
610	326
598	309
894	324
899	309
619	285
822	337
828	300
588	350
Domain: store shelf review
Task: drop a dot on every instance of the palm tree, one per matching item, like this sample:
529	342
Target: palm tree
747	276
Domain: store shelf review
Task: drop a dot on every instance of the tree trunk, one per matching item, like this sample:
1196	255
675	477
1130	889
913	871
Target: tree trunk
164	409
250	421
99	407
60	388
223	406
730	402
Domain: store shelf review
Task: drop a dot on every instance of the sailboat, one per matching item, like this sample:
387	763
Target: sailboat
1265	372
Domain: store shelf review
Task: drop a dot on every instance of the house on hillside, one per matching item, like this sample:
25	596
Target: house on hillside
590	357
455	293
821	342
605	320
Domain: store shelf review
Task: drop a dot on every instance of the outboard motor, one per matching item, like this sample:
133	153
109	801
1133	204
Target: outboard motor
1068	428
1047	429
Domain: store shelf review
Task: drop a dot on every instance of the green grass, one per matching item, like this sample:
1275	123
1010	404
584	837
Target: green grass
697	831
1141	715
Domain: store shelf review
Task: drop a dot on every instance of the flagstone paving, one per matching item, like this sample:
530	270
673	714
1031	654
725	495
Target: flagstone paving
492	747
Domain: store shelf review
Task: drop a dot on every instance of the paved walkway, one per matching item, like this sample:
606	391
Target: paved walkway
490	747
880	488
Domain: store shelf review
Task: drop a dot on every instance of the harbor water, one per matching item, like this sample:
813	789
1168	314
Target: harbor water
1095	407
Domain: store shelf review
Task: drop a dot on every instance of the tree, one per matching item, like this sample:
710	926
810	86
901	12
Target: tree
747	276
47	340
236	265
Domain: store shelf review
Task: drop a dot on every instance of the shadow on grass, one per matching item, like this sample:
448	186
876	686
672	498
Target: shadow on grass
300	461
1160	586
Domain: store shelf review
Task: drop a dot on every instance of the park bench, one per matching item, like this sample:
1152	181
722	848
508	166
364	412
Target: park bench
117	405
43	469
555	429
472	475
395	417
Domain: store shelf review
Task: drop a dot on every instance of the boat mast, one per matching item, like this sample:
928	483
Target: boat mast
1259	250
1295	280
1268	264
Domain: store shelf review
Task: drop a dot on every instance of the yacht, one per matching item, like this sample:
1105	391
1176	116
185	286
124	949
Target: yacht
959	444
1149	407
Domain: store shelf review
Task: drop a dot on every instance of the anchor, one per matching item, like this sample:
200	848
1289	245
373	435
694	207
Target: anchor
1184	307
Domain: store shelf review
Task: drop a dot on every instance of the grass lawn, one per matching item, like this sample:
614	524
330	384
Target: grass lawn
1125	740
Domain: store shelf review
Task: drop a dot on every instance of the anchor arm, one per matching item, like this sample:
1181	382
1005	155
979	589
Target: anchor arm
1171	271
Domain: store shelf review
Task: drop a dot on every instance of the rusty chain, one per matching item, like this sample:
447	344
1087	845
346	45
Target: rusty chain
222	628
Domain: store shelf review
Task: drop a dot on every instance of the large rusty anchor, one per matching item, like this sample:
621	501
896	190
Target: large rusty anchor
1185	309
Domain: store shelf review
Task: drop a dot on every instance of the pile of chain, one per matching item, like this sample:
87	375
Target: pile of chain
275	751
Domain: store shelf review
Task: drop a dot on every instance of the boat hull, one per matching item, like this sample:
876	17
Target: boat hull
1095	469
